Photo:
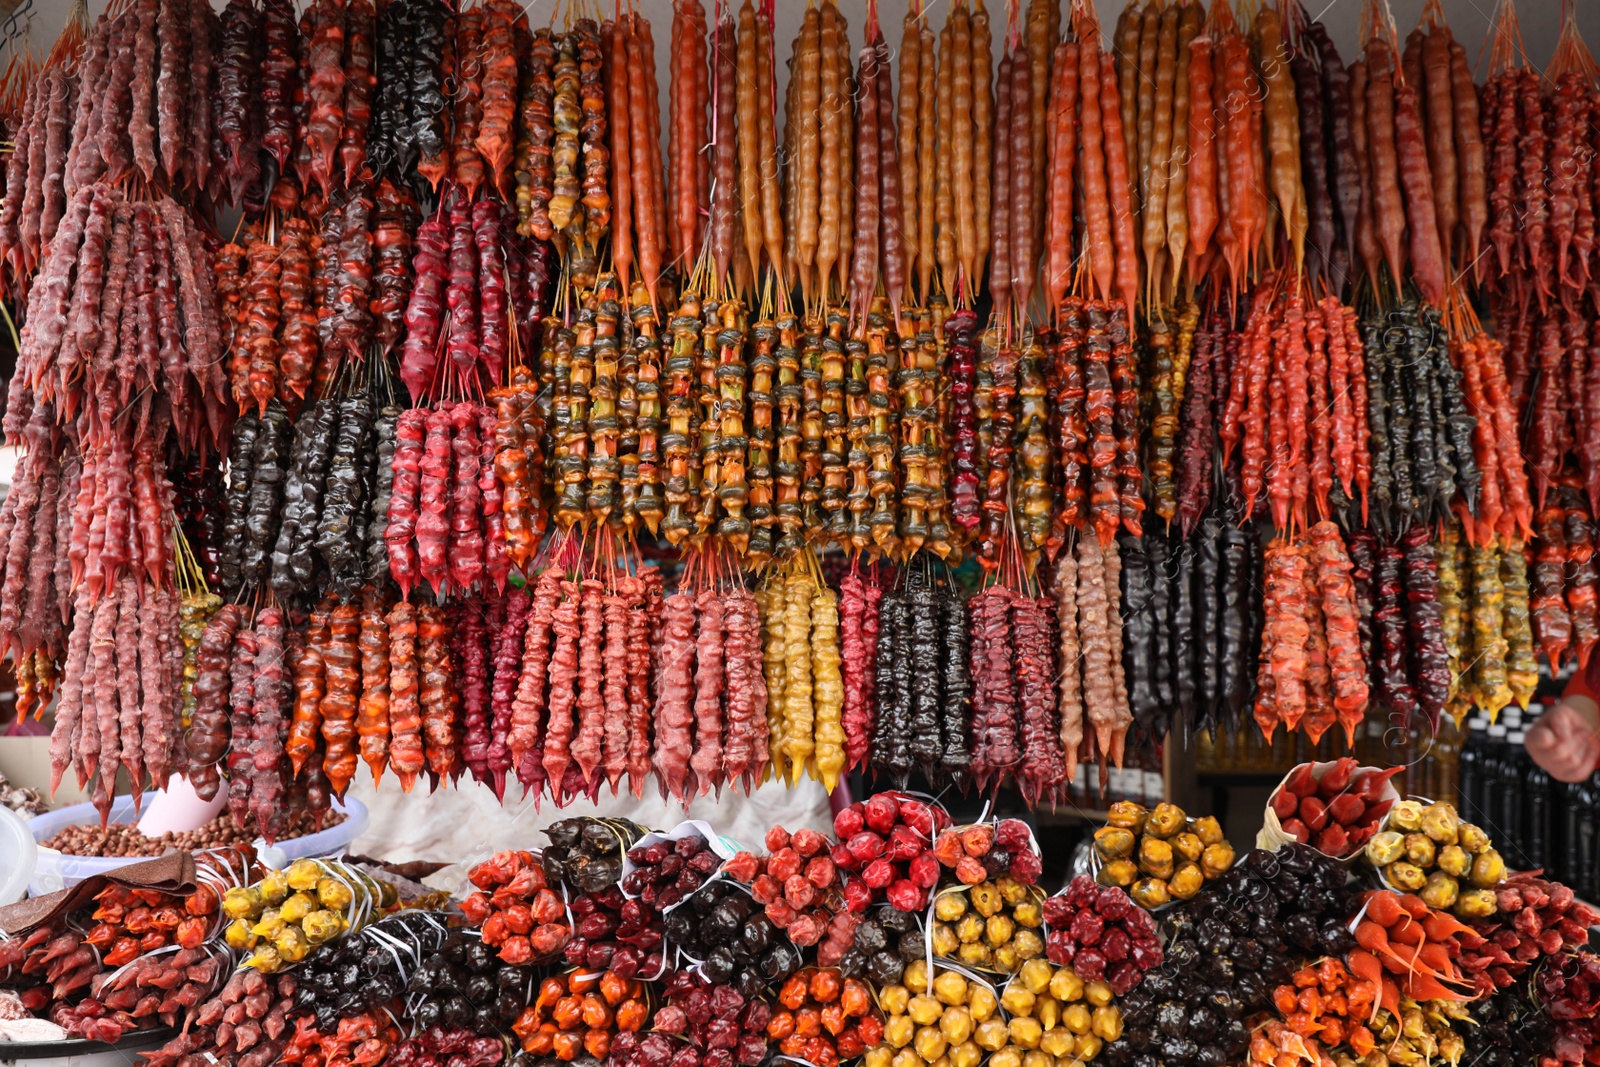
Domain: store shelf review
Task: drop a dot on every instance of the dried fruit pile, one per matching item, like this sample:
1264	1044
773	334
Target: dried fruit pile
1429	851
581	1012
720	928
1100	933
799	889
1342	806
1533	919
1159	855
515	910
702	1024
887	840
825	1018
925	1021
360	974
615	933
585	853
991	926
1054	1011
664	872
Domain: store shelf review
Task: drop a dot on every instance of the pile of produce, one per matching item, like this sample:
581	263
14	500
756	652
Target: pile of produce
1159	855
497	444
677	961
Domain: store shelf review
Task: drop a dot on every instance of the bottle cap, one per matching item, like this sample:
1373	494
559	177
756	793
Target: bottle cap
1515	737
1497	731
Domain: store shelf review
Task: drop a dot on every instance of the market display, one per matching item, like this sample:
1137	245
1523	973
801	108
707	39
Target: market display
1284	949
1007	403
433	421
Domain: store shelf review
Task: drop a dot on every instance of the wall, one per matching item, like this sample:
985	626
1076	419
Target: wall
1468	20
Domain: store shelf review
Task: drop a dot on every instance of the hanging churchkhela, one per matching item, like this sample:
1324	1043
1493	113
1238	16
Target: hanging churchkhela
1284	405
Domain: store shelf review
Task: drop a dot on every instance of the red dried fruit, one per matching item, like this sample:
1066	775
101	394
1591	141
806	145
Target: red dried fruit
904	844
1300	781
923	871
918	816
799	892
1116	944
977	840
971	871
1013	834
1026	866
1314	813
1087	927
879	873
820	872
857	895
808	843
1336	778
881	812
777	838
781	912
1297	830
848	822
865	847
765	889
947	847
1284	804
906	897
743	866
783	864
1347	809
1147	953
805	930
1090	963
1333	840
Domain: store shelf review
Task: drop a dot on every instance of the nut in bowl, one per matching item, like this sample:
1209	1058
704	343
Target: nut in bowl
1426	849
992	926
1160	854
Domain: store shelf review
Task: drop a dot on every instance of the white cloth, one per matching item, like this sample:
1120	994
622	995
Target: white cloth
465	822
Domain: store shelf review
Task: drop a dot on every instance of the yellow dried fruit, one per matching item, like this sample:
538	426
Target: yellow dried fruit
1420	850
950	988
1118	872
1113	842
924	1010
1453	860
1216	859
1488	869
1150	893
1407	876
1165	820
1186	881
991	1034
1155	857
1128	815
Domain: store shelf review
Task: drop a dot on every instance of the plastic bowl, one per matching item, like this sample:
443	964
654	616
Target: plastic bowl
56	870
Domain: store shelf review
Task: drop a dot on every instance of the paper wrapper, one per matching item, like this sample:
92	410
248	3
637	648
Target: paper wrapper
173	873
1271	836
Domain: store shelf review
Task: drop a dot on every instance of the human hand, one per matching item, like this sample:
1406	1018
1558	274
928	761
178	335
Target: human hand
1565	742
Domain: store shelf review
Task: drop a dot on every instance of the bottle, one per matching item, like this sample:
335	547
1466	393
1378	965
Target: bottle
1498	804
1470	794
1520	848
1581	859
1535	791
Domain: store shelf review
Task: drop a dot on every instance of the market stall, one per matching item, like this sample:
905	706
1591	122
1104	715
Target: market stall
955	441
